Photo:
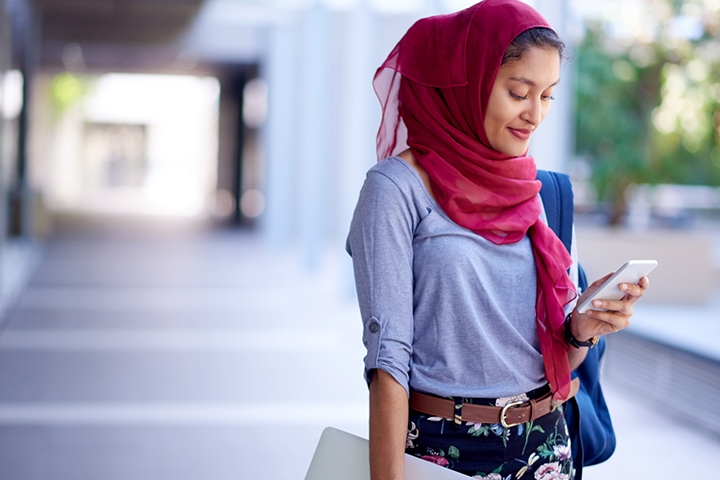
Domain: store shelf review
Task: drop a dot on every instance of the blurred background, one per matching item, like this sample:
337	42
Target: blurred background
177	179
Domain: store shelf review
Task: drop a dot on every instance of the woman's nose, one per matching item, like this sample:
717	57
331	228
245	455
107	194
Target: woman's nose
533	113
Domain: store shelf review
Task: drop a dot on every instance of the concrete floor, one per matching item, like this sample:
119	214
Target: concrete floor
146	351
653	445
149	350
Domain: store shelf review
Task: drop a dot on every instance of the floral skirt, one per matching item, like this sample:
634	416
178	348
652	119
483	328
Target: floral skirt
538	450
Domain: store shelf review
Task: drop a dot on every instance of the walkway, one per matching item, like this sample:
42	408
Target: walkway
174	352
153	350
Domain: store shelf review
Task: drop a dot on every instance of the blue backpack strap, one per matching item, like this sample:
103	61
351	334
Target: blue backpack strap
592	435
558	200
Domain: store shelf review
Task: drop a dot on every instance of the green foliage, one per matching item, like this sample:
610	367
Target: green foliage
648	112
685	137
613	105
67	90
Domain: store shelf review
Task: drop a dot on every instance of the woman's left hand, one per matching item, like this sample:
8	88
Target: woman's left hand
615	314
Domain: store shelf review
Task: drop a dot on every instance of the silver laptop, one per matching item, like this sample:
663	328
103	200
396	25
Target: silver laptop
343	456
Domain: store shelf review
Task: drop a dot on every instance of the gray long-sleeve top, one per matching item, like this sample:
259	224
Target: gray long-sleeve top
444	311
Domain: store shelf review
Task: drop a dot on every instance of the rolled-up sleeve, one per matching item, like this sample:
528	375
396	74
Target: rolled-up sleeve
380	243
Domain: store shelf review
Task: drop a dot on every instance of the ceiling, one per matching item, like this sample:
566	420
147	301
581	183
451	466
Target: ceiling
123	35
115	21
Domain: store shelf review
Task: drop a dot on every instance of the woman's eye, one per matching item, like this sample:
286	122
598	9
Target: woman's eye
517	97
548	97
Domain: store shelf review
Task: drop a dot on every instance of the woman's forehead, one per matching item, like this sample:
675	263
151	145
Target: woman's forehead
537	67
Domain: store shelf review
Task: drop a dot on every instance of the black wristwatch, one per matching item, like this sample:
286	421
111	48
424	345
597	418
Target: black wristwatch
570	338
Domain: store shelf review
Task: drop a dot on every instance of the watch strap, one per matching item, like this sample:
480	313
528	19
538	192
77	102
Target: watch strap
570	338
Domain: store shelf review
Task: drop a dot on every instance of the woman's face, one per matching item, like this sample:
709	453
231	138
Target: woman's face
520	99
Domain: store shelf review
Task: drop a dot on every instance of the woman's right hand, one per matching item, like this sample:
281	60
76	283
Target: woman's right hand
388	426
607	316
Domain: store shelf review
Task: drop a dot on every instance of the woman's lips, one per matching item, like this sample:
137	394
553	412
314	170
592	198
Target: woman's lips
521	133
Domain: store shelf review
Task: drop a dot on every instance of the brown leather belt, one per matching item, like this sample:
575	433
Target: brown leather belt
513	413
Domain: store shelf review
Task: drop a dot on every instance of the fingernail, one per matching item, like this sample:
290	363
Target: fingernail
596	303
623	287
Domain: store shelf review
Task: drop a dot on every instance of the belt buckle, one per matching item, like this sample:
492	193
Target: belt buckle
503	414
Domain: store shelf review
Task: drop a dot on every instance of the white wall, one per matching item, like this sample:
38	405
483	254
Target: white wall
179	117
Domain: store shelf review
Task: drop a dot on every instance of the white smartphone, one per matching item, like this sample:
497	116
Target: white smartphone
630	272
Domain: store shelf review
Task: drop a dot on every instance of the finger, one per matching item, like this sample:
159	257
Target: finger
631	290
623	307
608	321
644	283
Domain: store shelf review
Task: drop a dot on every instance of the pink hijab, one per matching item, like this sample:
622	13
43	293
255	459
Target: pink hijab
434	89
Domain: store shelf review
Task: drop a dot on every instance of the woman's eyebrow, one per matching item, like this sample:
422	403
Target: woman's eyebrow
529	82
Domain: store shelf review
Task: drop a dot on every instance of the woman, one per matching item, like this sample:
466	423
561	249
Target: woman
464	291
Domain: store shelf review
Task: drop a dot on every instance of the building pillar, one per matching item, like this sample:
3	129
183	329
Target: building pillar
280	134
21	196
227	129
552	144
359	113
313	142
5	66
